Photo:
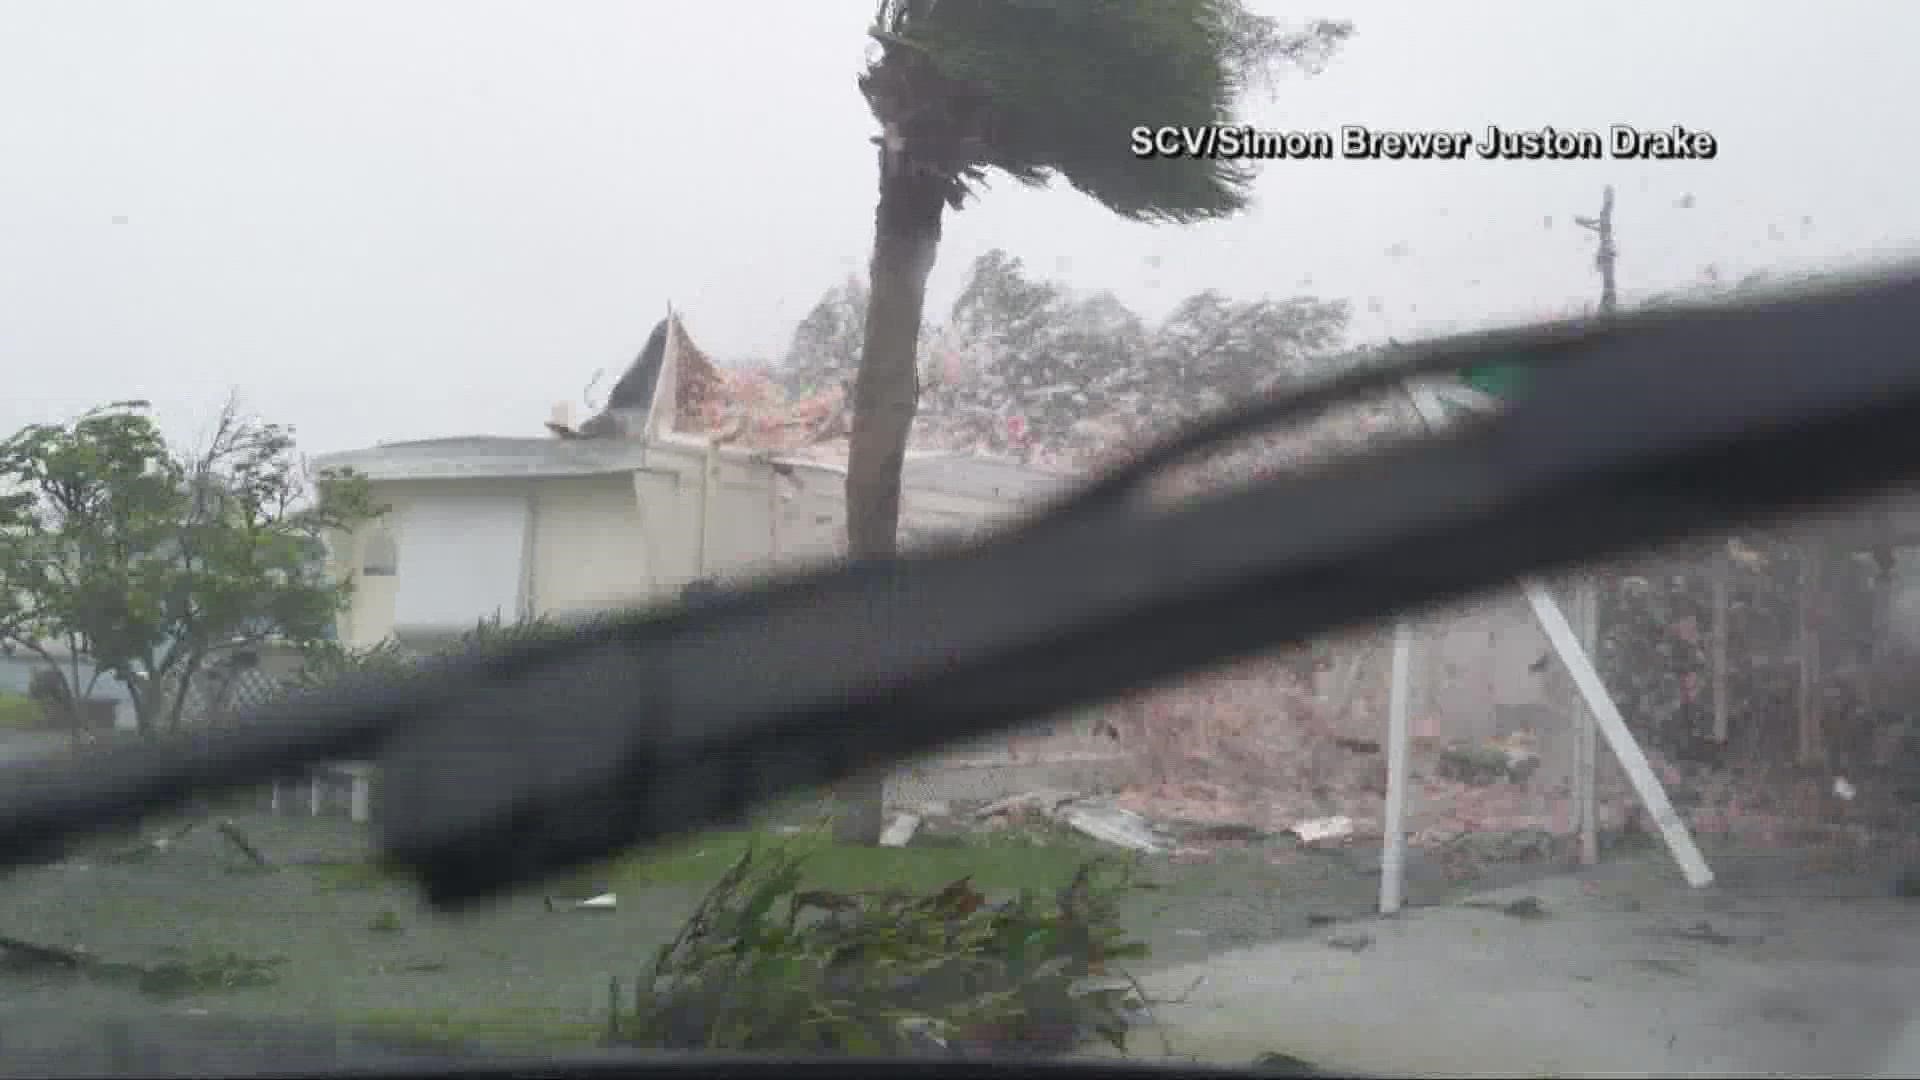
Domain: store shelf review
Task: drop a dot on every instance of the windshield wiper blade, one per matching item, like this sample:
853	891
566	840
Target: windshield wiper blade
1647	429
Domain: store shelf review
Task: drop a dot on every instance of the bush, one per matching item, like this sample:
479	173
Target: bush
767	966
327	662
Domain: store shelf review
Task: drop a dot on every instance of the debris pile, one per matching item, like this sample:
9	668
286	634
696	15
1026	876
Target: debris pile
745	406
1252	746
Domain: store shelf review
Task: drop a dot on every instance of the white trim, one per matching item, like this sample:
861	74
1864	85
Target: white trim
490	459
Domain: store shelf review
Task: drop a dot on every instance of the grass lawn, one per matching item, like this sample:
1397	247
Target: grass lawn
668	875
998	861
18	711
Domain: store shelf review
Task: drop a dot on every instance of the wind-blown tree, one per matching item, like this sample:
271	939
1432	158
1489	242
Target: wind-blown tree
146	564
1021	364
825	349
1034	89
1213	350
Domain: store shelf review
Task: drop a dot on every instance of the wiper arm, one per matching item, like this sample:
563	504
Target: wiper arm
1648	429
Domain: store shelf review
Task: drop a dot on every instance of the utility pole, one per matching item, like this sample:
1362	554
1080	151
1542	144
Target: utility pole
1605	253
1586	598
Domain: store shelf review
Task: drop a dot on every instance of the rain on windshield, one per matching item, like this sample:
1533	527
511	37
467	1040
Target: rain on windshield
346	335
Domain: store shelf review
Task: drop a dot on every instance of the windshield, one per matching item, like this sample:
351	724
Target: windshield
349	336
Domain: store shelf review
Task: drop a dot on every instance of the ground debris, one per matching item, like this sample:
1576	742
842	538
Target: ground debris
1112	825
1026	804
38	955
1525	907
1323	830
1277	1064
1353	943
1702	932
900	830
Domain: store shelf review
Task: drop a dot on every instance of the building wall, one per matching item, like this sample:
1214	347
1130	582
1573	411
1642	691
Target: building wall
594	545
621	538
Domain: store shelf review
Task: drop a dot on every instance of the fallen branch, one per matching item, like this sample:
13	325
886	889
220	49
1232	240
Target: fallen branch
46	955
239	839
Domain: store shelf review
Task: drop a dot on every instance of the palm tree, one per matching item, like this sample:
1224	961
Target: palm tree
1034	89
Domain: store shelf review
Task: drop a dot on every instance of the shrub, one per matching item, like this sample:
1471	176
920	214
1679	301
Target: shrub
766	965
327	662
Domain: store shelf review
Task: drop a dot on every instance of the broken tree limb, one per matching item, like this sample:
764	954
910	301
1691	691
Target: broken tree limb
45	955
238	839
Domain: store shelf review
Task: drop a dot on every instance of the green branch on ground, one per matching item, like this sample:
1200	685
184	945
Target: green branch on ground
767	964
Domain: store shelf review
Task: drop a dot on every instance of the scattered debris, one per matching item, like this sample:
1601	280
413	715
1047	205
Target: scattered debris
1701	931
601	902
1112	825
1506	846
239	839
1322	830
900	830
1277	1064
1526	907
1512	760
160	845
1027	804
1226	833
1844	790
38	955
1351	942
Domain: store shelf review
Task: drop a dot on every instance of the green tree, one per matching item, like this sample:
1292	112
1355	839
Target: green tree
1213	350
1036	353
826	345
1034	89
146	563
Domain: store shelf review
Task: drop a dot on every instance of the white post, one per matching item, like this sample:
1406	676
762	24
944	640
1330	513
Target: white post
314	789
1653	795
1586	608
1393	854
1722	570
360	809
1585	679
275	803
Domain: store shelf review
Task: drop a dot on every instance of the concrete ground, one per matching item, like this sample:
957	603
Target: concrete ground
1785	967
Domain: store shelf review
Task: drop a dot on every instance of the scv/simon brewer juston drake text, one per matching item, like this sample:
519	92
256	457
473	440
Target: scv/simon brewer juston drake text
1355	142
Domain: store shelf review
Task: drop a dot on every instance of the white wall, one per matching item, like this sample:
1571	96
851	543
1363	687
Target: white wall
569	545
465	559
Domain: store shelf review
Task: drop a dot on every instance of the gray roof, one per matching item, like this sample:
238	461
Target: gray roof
479	456
493	456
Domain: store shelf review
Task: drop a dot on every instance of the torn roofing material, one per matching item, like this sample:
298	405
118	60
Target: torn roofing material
634	392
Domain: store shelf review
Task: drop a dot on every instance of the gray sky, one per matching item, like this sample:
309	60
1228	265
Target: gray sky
384	221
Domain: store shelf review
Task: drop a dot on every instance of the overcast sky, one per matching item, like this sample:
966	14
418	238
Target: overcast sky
385	220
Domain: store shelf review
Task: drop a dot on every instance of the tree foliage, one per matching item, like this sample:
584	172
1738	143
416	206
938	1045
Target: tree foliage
826	345
1023	363
767	965
145	562
1038	89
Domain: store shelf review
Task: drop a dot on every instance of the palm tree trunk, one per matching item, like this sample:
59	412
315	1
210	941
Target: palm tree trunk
886	391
